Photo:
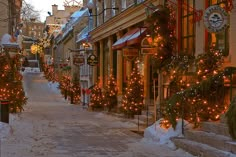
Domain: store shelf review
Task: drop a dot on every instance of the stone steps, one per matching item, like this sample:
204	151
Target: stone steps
199	149
217	141
211	139
215	127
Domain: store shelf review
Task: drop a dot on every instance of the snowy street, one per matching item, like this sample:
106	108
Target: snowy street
52	127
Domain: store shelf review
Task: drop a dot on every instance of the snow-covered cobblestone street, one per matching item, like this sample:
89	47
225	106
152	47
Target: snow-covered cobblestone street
51	127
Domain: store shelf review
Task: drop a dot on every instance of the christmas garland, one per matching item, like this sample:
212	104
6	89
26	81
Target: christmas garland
162	24
198	101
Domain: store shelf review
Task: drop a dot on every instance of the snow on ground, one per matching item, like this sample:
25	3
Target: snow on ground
118	123
155	137
161	135
154	134
5	130
31	69
54	86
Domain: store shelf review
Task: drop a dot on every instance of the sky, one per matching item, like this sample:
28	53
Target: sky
46	5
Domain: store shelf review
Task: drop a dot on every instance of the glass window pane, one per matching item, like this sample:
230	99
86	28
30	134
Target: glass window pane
184	7
221	40
190	6
185	45
213	39
213	2
184	27
190	45
190	25
187	34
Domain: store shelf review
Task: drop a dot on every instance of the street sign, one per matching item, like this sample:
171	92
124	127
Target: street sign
78	59
92	60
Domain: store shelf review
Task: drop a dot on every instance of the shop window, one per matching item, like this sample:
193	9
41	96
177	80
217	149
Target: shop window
187	30
219	40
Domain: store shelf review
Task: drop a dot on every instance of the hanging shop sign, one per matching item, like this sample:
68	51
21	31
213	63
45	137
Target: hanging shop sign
147	46
130	53
149	50
127	52
78	59
216	19
92	60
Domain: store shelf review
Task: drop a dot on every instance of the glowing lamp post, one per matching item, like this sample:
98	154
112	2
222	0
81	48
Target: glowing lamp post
36	49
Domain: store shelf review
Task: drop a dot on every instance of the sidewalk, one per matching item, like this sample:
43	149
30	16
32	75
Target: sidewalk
139	127
5	130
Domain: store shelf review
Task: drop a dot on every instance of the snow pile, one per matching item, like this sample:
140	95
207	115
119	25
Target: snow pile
116	122
54	87
5	130
31	70
161	135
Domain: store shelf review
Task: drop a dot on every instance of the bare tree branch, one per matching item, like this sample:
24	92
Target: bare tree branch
28	12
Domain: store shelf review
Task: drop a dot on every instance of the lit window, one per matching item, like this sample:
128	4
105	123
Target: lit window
187	27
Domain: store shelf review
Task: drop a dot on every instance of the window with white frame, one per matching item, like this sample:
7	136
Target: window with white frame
123	4
98	17
104	7
113	5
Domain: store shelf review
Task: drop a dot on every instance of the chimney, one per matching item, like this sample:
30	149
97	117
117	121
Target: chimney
54	9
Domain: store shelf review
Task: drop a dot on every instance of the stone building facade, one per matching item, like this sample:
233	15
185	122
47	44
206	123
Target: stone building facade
111	25
10	16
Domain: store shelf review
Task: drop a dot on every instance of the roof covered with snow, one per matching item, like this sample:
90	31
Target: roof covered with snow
74	19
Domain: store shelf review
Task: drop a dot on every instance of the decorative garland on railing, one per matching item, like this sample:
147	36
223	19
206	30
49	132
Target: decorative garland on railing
201	98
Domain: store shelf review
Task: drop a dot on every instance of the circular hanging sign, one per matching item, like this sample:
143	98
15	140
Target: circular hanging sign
92	60
215	19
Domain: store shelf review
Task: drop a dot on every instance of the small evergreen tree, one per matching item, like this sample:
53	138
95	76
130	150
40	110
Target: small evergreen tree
75	92
97	98
64	85
110	94
132	101
11	87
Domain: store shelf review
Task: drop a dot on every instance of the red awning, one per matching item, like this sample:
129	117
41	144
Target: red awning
130	38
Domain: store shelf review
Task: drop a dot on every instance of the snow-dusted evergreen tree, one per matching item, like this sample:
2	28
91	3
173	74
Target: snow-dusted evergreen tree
11	87
132	101
97	98
110	94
